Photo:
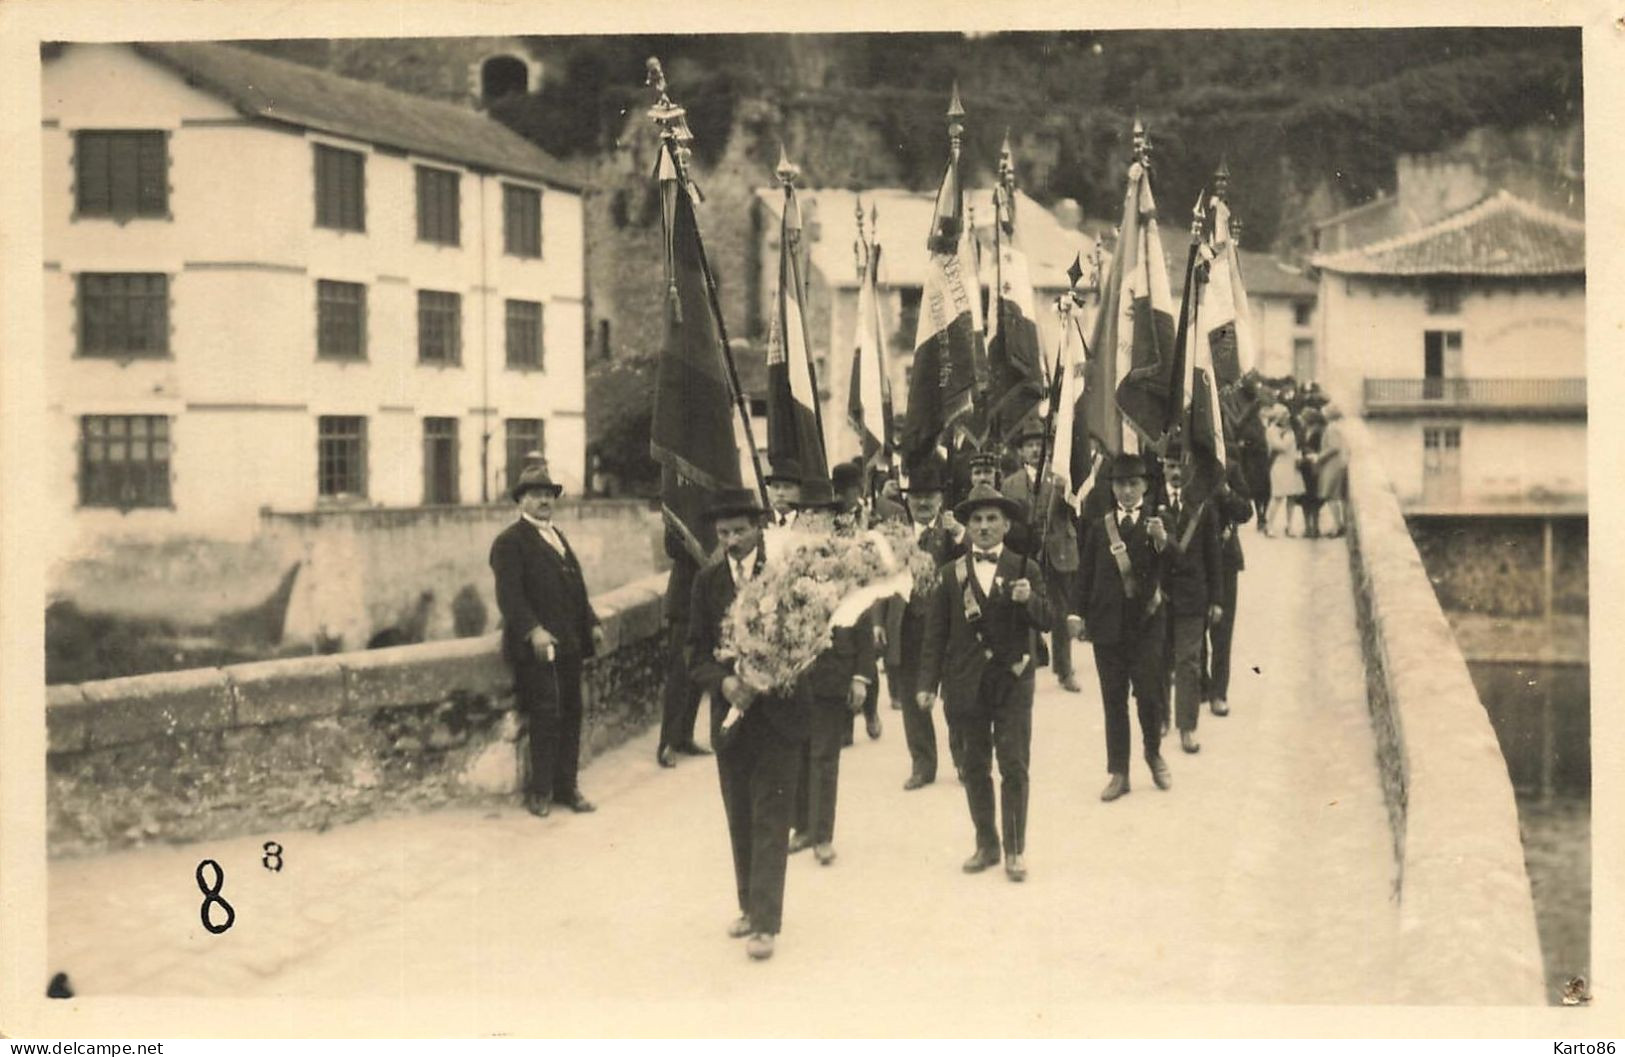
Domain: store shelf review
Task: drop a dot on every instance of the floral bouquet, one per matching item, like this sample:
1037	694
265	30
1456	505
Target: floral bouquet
813	581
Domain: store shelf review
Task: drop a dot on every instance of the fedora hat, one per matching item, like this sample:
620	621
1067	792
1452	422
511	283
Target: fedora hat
734	502
986	495
534	478
846	475
926	477
1031	428
819	494
784	471
1125	466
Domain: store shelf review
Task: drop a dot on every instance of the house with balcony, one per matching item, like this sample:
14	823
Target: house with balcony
272	287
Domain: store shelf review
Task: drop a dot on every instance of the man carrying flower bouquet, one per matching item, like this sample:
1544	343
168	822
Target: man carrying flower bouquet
759	738
834	690
981	649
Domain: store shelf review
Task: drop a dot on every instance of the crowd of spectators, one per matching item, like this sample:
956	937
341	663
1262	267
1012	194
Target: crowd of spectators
1290	441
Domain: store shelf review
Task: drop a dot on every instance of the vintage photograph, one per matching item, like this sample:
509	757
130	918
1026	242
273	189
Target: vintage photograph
954	522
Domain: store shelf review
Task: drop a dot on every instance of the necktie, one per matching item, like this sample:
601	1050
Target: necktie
985	556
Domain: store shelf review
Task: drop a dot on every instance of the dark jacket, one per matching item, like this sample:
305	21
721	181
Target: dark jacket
538	587
850	654
1234	508
1192	575
905	618
1061	542
680	585
713	594
956	654
1108	614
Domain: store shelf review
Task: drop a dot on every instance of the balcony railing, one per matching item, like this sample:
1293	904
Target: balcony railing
1545	396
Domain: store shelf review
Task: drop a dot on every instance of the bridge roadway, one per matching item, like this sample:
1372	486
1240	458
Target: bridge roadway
1264	875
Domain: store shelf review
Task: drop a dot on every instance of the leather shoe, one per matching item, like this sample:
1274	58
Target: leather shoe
799	842
740	929
916	781
1160	773
1118	786
667	756
1188	742
1220	706
1015	869
538	806
872	725
983	858
689	748
1069	683
824	853
760	946
577	803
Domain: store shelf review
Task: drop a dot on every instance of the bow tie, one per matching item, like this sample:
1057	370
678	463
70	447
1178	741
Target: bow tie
985	556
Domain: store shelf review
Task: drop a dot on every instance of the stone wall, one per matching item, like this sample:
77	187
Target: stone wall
315	741
1494	565
1467	920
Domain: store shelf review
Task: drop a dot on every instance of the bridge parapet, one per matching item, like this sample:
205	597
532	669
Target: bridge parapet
1467	918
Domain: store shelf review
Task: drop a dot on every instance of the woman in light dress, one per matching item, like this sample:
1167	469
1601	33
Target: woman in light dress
1332	469
1286	481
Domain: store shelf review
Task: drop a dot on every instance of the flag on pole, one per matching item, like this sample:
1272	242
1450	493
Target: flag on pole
1015	373
1202	421
948	345
1224	311
794	421
1071	461
692	432
1134	331
869	405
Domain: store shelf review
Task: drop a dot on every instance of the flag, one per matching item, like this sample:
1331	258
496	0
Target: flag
868	404
948	346
1201	419
1224	313
1134	331
1071	461
794	423
1016	381
692	432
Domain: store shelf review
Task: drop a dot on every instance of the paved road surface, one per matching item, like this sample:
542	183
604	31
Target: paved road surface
1264	875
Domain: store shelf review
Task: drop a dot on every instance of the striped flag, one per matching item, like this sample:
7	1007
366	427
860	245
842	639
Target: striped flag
868	404
1134	332
1224	313
1016	379
1071	461
794	422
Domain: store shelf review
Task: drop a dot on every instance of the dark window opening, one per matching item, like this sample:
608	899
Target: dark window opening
340	189
439	212
341	320
121	174
502	76
124	461
525	334
521	221
524	442
123	314
440	327
440	461
341	457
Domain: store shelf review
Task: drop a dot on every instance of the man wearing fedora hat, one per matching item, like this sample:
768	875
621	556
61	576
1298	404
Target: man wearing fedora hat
981	648
1120	612
548	630
783	490
1047	512
1193	582
758	737
905	623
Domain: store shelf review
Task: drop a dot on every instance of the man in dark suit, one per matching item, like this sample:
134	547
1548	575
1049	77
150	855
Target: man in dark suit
833	691
759	737
1193	583
548	630
1047	514
1120	611
846	484
940	536
783	491
679	697
981	649
1234	507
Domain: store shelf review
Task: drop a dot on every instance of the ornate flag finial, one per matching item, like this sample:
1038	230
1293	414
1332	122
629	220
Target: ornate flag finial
956	119
787	172
1221	179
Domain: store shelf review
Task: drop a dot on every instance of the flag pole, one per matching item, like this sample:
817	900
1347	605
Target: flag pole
675	138
956	129
788	172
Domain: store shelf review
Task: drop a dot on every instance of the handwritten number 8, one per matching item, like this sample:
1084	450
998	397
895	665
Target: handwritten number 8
273	856
211	896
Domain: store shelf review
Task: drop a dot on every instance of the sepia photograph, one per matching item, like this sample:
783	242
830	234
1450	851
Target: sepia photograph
748	527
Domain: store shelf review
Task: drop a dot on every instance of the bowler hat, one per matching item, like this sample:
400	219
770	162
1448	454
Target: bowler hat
986	495
926	477
1125	466
734	502
846	475
534	478
818	493
785	471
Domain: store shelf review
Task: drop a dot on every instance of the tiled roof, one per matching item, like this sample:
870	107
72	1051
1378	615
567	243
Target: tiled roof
1499	235
1263	274
277	90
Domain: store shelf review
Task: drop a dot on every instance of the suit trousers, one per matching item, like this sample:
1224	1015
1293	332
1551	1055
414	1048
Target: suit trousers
919	728
1002	725
820	770
1135	661
871	710
1185	642
679	697
757	770
550	695
1059	586
1216	658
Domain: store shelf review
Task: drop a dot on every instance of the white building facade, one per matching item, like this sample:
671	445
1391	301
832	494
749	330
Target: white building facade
271	287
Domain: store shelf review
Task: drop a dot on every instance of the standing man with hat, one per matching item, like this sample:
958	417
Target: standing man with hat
1047	533
1120	612
1234	507
758	738
548	630
981	648
783	491
940	536
1194	586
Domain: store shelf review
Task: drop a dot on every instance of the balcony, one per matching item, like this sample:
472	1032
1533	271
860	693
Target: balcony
1521	397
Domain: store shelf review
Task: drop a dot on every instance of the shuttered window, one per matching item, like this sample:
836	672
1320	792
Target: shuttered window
525	335
521	221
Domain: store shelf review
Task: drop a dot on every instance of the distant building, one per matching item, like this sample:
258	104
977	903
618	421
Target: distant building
830	235
1464	341
271	286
